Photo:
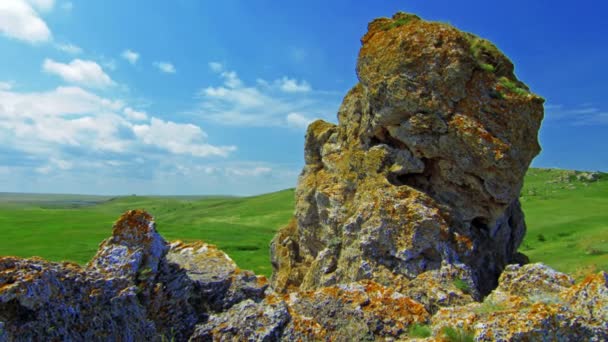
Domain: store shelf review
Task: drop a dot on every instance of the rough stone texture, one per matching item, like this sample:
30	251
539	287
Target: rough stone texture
407	213
424	167
44	301
535	303
136	287
246	321
353	312
193	291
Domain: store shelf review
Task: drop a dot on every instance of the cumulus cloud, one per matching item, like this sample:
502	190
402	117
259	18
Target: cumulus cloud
73	125
165	67
69	48
6	85
216	66
19	20
179	138
83	72
130	56
135	115
282	102
297	120
248	172
292	86
42	5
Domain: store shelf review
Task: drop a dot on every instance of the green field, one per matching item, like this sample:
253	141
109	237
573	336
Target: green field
567	222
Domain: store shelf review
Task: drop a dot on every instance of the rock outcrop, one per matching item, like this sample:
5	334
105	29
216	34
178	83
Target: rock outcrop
139	287
406	227
424	167
535	303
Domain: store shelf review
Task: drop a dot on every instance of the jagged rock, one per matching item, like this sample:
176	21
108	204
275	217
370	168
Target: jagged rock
451	285
216	282
137	287
44	301
424	167
406	213
534	303
352	312
246	321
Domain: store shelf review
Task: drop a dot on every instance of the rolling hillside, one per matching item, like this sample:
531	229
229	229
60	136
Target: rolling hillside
567	218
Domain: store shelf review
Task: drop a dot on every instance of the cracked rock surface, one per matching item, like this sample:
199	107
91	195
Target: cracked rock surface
423	168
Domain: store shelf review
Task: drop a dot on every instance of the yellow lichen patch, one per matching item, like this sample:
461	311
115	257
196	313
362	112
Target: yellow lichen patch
386	303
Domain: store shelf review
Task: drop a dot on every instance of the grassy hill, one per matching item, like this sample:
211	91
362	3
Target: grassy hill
567	222
567	219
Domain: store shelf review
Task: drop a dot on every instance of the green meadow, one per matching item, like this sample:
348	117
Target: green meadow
567	222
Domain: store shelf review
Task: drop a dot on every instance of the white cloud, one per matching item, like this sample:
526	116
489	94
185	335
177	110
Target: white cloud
44	124
265	104
216	66
130	56
165	67
135	115
292	86
248	172
55	164
83	72
69	48
58	102
42	5
179	138
297	120
20	21
584	114
6	85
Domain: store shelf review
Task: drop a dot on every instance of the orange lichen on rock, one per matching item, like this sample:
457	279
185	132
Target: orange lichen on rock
424	166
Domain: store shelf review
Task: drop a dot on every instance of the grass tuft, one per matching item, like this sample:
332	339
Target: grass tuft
402	19
489	307
461	285
419	330
512	86
458	335
487	67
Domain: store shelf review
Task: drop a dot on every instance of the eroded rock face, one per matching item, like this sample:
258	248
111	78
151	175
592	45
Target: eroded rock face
407	213
534	303
193	291
424	167
137	287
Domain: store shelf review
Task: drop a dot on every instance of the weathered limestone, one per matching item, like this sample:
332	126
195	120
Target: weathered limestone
424	167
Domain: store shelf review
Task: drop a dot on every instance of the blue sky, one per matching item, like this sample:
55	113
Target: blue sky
213	97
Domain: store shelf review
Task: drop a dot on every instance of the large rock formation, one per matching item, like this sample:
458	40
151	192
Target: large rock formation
139	287
406	216
424	167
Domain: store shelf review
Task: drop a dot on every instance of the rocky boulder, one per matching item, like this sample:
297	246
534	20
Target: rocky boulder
424	167
407	225
534	303
137	287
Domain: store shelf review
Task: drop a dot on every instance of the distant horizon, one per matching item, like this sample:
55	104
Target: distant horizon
193	97
202	194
